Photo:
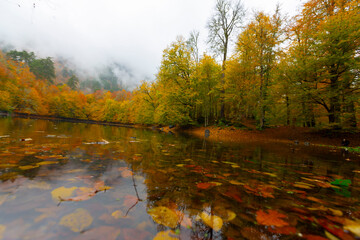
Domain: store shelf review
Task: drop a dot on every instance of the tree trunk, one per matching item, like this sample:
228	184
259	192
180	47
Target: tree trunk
287	110
334	113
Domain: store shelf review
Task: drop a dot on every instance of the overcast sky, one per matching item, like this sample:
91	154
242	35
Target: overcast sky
93	33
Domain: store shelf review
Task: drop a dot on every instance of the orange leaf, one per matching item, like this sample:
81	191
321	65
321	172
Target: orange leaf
205	185
283	230
314	237
272	218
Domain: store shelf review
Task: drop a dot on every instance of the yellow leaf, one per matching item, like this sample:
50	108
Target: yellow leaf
164	216
62	193
303	185
78	220
103	188
2	230
235	182
39	185
118	214
168	235
46	163
213	221
330	236
216	183
180	165
28	167
230	215
352	226
336	212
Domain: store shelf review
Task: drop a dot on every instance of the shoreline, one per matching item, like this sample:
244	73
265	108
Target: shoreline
283	134
287	135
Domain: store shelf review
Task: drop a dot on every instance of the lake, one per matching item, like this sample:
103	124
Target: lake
61	180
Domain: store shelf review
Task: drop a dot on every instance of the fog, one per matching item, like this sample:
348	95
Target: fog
93	34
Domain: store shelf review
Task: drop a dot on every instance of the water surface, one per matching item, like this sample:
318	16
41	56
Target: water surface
62	180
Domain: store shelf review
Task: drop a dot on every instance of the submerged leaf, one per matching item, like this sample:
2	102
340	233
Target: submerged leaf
236	182
164	216
212	221
2	230
205	185
39	185
352	226
314	237
62	193
126	173
271	218
46	163
341	182
103	232
230	215
28	167
78	220
118	214
168	235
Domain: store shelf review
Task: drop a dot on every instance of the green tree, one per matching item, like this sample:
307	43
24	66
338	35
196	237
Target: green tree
23	56
43	69
73	82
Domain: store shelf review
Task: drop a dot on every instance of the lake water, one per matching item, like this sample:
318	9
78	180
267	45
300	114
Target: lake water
62	180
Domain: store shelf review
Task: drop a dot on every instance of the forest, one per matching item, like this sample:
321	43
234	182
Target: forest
300	71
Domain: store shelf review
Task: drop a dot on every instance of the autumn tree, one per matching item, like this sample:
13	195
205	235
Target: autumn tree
326	47
176	85
207	73
227	17
257	49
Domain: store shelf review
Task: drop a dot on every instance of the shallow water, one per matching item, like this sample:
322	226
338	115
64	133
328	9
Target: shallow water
63	180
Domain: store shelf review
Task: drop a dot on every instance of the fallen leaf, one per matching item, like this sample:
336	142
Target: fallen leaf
233	195
236	182
212	221
62	193
316	200
46	163
164	216
2	230
271	218
352	226
126	173
168	235
253	234
130	200
77	221
185	221
39	185
216	183
131	234
330	236
230	215
342	182
103	232
28	167
313	237
118	214
287	230
205	185
303	185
